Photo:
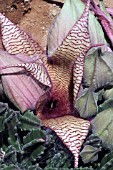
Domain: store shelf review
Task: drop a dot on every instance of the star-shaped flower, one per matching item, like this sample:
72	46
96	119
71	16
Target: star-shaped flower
58	78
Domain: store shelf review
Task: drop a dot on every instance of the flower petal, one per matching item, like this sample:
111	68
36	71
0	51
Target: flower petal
78	69
21	88
37	70
16	40
72	131
77	40
70	13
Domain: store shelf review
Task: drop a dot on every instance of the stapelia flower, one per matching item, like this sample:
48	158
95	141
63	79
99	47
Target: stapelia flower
20	86
52	75
16	40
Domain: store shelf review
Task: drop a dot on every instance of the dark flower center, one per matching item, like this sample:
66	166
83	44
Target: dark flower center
51	104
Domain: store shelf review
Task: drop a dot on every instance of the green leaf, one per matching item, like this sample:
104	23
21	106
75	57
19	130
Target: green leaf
89	154
11	167
2	127
106	105
37	152
91	148
57	161
108	94
103	74
107	162
86	104
102	126
108	59
37	134
3	107
93	140
100	72
85	168
32	139
71	12
89	67
11	122
10	155
29	121
26	162
34	167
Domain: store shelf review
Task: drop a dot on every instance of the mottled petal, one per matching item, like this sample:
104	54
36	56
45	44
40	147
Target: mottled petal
72	131
62	24
20	87
37	70
59	66
16	40
77	40
78	69
1	45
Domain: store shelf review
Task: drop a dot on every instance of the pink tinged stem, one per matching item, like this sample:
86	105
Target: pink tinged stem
110	11
37	70
106	22
16	40
108	30
99	12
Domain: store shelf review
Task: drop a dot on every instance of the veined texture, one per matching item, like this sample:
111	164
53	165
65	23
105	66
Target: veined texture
16	40
37	70
68	58
78	68
77	40
73	49
72	131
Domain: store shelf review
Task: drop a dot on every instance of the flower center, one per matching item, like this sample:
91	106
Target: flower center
51	104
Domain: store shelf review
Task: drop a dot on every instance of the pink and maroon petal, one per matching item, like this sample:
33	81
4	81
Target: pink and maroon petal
78	69
72	131
59	66
37	70
16	40
20	87
77	40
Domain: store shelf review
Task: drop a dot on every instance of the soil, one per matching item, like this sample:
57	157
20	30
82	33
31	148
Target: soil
34	16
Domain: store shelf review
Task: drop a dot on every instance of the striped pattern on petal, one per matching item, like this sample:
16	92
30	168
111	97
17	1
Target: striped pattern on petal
77	40
78	69
72	49
16	40
37	70
72	131
19	85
